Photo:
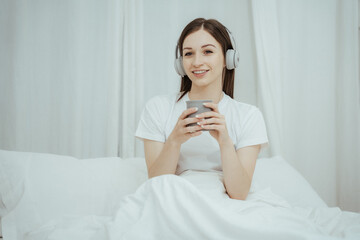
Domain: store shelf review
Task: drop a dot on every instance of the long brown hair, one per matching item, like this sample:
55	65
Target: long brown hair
220	33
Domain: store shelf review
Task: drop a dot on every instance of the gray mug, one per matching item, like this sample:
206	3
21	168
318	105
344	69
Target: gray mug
201	109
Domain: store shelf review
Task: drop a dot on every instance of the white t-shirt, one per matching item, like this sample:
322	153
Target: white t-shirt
245	124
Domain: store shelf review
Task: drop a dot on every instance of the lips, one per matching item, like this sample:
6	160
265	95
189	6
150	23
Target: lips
199	73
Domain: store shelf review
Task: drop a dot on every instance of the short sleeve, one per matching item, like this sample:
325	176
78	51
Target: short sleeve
252	130
152	119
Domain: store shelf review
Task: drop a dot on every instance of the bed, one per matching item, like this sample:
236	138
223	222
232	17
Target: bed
46	196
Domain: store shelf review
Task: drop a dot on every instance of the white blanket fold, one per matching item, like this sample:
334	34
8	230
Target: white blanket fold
195	206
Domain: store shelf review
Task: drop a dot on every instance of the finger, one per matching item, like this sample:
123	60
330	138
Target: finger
211	105
213	127
187	121
187	112
195	134
193	129
209	114
211	121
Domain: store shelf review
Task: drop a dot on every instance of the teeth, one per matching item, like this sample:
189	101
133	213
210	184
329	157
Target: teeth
198	72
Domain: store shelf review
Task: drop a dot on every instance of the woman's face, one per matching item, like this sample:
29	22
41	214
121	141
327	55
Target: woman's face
203	59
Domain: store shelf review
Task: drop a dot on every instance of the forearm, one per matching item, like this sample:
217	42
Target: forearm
167	160
236	180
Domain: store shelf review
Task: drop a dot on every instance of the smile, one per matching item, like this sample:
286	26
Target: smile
199	73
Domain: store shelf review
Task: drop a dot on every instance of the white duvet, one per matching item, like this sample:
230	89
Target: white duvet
195	206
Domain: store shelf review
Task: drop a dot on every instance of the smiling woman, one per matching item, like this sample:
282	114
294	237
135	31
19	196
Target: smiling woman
236	131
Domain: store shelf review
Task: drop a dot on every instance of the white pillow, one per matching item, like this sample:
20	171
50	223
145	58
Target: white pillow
36	187
284	180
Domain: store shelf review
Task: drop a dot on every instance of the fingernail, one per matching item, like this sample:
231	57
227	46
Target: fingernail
196	116
195	108
198	123
204	103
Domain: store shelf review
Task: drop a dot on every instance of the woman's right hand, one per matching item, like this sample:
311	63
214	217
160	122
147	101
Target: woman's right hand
181	133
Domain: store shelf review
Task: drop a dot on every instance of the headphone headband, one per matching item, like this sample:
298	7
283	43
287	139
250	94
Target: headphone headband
232	39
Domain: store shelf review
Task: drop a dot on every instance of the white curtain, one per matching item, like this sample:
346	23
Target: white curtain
308	82
62	63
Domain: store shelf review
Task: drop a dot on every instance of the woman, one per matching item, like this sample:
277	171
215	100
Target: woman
236	130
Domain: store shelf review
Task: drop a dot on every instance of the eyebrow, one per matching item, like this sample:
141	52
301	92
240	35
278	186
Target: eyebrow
206	45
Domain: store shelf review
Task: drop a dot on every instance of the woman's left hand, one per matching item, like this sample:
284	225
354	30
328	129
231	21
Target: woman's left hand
215	123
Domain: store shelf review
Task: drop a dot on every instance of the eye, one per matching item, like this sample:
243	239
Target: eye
187	54
208	52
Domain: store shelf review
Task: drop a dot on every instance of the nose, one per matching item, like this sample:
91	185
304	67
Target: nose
197	60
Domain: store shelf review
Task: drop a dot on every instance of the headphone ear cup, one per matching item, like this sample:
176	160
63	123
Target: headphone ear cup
179	67
232	59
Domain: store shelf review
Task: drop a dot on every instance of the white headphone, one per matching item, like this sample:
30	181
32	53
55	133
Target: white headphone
232	58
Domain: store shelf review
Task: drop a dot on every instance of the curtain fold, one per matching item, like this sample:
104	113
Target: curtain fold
269	66
132	85
348	105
